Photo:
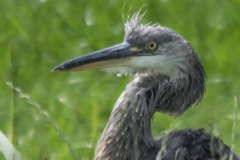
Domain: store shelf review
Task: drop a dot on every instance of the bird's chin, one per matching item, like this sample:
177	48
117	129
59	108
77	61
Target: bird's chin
129	71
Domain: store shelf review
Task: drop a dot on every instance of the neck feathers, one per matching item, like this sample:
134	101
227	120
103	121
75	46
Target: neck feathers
128	132
129	127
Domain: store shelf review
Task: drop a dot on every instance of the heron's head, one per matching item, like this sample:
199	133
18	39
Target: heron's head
146	49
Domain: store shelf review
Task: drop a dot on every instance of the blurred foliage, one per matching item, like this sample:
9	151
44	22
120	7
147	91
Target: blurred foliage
36	35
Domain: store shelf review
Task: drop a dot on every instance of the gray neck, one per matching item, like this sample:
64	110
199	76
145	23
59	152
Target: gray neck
129	126
128	131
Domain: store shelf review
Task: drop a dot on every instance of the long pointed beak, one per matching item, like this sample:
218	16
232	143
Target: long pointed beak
115	56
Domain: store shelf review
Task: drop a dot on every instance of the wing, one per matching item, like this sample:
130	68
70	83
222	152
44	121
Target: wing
191	144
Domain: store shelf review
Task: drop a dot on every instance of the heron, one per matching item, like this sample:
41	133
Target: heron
169	78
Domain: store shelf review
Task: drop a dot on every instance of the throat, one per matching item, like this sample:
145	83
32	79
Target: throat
128	131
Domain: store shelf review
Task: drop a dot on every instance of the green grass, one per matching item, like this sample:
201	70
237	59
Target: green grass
35	36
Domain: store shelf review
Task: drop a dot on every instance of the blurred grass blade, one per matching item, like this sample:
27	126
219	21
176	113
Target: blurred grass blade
46	115
7	149
235	111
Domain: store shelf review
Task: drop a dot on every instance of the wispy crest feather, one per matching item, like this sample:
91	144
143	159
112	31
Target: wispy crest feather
132	26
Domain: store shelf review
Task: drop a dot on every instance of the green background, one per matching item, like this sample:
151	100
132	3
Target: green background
37	35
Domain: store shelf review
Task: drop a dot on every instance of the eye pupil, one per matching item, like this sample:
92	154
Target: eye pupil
152	46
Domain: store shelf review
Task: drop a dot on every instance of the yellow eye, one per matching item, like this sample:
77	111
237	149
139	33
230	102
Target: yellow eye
152	46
